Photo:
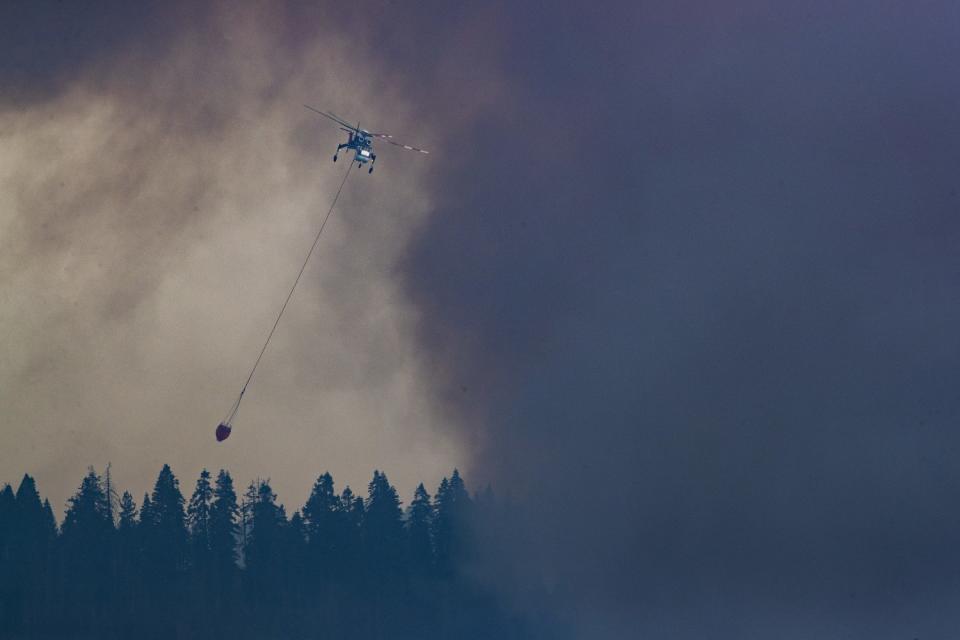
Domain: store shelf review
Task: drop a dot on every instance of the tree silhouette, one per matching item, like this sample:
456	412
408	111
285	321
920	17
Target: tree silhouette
165	551
324	523
247	503
224	527
110	494
294	561
86	550
164	524
381	530
264	551
25	554
198	522
128	513
340	567
88	515
419	541
8	505
451	523
9	586
350	549
128	548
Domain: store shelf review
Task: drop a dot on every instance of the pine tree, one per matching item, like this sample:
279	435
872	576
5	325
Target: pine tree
198	521
224	529
133	581
87	541
458	488
8	509
353	506
451	523
264	551
29	547
127	533
442	527
164	524
348	561
267	518
31	514
110	493
88	514
165	551
246	517
8	505
295	559
49	526
325	525
146	511
128	554
128	512
382	528
419	524
9	586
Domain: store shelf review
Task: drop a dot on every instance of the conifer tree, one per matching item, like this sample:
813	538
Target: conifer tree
224	528
87	544
353	506
451	520
295	561
49	529
127	532
164	525
146	512
127	552
110	494
35	527
8	505
128	513
28	502
267	519
264	551
88	516
247	503
9	587
198	521
325	525
382	527
419	524
132	580
29	548
348	560
442	527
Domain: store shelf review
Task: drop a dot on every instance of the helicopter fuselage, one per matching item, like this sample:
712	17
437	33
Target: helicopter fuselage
361	145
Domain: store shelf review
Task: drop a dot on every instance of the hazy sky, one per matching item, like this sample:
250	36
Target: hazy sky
155	206
682	276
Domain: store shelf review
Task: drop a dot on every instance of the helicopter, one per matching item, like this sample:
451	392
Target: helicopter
360	141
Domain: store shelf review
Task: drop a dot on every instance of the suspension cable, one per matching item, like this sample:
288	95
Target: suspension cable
236	405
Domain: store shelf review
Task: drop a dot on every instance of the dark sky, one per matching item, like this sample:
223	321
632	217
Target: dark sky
687	287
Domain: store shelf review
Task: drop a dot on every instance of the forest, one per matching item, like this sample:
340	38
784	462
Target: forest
223	562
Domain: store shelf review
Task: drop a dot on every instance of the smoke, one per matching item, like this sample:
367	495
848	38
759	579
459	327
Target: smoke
156	200
680	279
691	299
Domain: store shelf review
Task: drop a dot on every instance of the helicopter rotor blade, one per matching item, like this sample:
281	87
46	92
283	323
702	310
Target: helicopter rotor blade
333	117
405	146
349	128
342	121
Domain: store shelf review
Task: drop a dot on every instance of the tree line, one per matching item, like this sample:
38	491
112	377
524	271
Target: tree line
343	566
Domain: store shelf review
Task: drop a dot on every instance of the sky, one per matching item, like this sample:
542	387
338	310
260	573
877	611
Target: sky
158	198
679	278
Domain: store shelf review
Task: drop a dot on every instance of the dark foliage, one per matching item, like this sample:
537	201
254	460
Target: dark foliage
341	567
